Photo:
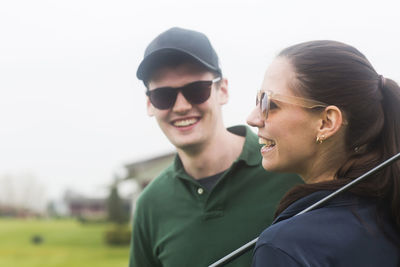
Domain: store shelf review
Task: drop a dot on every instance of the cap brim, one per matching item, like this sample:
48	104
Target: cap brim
151	60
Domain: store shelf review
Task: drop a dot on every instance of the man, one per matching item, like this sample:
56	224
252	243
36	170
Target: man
216	196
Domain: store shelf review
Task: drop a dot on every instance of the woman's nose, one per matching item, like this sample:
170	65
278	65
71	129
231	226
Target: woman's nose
254	119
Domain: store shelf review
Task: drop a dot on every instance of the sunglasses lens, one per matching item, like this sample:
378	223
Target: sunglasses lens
163	98
197	92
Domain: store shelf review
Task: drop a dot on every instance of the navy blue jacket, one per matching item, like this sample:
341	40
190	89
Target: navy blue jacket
343	232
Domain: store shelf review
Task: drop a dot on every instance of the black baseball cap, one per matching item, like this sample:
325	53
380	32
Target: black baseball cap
178	42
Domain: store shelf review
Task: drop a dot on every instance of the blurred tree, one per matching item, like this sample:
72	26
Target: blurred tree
115	206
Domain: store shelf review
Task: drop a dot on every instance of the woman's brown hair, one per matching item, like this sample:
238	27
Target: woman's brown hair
340	75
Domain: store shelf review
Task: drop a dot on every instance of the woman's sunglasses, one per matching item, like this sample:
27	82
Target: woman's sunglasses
264	99
195	93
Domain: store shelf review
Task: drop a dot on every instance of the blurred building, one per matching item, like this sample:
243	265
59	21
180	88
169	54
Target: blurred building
144	171
89	207
137	175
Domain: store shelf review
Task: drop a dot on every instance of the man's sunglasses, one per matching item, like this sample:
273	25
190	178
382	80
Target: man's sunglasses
264	99
195	93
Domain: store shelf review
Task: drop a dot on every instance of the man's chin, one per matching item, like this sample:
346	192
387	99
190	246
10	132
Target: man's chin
188	145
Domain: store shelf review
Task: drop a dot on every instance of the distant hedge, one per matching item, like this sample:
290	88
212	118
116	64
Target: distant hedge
118	236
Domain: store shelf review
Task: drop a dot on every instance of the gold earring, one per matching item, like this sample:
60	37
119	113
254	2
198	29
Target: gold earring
320	139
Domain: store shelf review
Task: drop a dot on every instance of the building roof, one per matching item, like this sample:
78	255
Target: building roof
145	170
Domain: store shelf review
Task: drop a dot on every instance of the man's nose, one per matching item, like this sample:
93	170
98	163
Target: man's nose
181	104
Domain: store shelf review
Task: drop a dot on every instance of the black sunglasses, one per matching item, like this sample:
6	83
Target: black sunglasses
195	93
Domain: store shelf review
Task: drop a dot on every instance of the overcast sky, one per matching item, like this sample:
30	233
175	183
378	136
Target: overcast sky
71	110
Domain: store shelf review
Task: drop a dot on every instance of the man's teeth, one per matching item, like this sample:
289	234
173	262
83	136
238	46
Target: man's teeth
266	142
187	122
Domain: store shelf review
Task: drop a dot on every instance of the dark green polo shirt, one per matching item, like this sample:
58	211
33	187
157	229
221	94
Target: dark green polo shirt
178	223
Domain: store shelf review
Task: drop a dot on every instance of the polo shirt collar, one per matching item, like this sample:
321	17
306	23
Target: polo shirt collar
179	170
251	149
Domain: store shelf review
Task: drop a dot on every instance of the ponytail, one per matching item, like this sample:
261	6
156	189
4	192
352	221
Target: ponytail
391	145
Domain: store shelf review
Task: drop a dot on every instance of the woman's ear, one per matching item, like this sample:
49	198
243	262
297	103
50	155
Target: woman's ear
331	120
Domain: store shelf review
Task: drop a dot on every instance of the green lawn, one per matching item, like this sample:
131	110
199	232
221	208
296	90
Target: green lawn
66	243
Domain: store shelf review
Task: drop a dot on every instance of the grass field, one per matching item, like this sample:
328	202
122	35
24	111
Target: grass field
66	243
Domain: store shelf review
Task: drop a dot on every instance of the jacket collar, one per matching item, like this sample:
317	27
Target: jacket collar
343	199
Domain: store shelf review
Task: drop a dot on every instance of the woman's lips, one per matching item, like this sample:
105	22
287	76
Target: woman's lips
268	144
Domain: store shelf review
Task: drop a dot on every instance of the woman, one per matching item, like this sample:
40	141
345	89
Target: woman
327	115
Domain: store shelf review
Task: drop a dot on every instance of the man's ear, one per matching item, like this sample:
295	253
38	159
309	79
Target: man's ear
223	94
150	108
331	120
